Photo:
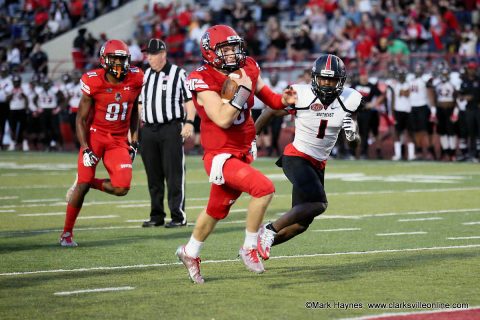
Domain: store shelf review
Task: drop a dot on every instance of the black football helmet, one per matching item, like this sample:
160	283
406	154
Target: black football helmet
328	66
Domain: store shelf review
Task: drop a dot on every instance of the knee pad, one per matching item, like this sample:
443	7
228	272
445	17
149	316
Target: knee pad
120	192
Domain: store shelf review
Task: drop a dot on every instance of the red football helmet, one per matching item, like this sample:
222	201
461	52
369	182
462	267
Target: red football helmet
212	42
112	51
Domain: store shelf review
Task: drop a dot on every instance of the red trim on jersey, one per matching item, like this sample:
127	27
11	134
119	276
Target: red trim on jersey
270	98
290	150
328	63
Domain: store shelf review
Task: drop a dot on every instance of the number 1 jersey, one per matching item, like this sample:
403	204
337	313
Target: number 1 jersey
113	103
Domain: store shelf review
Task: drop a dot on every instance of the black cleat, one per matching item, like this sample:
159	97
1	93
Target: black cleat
153	223
175	224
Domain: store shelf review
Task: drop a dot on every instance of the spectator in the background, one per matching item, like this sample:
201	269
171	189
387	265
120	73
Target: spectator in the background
175	40
76	11
351	29
317	20
365	48
277	39
60	15
14	58
301	45
78	50
136	55
39	60
145	20
240	13
337	22
468	41
40	21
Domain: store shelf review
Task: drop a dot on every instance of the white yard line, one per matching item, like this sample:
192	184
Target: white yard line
68	293
399	233
41	214
420	219
9	198
471	223
98	217
397	314
41	200
143	266
7	210
464	238
335	230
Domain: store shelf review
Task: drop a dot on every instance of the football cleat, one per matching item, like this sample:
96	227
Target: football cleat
264	241
251	260
66	240
69	194
192	265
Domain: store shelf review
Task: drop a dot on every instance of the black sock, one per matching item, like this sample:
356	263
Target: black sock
270	227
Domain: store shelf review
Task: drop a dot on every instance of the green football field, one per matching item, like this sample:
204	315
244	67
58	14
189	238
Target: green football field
395	235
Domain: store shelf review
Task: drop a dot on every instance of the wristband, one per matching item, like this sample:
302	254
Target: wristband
190	121
240	97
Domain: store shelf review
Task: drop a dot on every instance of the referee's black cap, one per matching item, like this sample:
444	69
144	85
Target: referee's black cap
155	46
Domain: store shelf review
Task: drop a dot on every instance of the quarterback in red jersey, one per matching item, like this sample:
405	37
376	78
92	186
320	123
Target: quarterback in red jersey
108	111
227	133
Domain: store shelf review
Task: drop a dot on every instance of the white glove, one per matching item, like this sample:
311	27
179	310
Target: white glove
350	128
253	149
89	158
216	172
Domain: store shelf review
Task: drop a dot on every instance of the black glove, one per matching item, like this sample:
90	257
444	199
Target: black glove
89	158
133	149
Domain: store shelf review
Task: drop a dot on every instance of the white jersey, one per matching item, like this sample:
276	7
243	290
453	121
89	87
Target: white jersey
74	94
317	127
445	92
419	92
402	103
19	101
47	99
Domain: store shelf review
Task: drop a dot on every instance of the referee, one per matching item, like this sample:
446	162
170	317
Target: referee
166	123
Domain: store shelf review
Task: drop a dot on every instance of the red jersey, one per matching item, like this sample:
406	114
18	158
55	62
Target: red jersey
238	138
112	102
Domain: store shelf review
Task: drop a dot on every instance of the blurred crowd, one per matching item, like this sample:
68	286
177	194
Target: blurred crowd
26	24
378	38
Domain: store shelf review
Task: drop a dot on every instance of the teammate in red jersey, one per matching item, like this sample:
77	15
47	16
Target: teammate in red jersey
108	111
227	133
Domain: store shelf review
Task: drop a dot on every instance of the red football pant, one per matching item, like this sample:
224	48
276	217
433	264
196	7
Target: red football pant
239	177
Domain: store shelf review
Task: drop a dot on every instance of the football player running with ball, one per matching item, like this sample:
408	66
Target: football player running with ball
108	110
323	109
223	90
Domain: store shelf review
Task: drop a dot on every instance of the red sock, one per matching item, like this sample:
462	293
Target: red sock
72	214
97	184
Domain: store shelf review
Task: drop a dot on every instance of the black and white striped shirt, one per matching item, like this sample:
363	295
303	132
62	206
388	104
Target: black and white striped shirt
164	94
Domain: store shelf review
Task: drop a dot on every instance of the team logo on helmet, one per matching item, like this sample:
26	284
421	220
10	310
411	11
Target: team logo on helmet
206	41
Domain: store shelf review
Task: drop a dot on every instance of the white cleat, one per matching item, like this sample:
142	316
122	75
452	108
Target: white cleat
66	240
69	194
251	260
264	241
192	265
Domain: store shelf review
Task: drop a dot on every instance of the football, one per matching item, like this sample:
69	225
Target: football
230	86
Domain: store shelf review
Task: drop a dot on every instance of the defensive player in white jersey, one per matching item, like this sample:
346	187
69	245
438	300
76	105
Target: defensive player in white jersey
322	110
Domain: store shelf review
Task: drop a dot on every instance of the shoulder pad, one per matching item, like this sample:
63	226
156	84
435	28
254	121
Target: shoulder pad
351	98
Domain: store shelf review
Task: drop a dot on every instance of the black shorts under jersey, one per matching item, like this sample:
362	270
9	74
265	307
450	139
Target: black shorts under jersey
307	181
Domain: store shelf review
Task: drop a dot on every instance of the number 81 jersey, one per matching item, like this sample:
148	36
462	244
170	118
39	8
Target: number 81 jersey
317	126
113	103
